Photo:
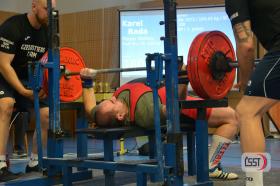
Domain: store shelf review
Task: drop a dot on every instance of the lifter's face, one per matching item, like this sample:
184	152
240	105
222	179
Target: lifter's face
40	10
116	107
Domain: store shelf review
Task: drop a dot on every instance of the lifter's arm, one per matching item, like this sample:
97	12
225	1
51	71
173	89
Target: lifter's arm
8	72
245	51
89	100
88	92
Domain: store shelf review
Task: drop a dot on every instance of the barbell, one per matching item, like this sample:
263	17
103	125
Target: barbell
210	68
68	73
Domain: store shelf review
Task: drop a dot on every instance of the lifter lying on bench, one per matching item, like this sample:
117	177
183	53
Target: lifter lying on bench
133	103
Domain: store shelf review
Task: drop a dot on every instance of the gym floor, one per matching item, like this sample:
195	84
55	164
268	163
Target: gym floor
230	161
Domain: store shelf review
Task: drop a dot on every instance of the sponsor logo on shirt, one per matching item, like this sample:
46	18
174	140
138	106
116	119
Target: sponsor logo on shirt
5	43
234	15
32	50
249	83
26	38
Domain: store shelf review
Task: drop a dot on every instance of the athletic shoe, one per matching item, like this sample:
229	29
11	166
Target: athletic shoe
29	169
18	155
6	175
218	173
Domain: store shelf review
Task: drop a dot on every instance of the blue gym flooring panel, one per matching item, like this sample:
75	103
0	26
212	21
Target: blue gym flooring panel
230	162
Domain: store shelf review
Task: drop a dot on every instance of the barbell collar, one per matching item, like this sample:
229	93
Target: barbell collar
235	64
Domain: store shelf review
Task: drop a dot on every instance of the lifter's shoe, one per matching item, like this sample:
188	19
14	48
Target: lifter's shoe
36	168
18	155
6	175
29	169
218	173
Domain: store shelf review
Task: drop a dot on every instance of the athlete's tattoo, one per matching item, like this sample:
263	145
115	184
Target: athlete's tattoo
242	32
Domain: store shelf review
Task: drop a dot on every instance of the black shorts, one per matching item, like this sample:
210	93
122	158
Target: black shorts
22	102
265	80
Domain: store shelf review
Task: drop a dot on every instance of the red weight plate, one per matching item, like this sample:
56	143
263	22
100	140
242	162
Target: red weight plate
215	41
202	49
190	68
192	65
70	89
197	47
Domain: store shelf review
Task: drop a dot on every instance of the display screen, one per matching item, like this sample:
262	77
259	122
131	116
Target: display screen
140	33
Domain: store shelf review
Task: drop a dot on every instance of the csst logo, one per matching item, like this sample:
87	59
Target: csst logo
256	162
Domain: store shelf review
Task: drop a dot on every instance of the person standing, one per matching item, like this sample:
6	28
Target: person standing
260	84
23	38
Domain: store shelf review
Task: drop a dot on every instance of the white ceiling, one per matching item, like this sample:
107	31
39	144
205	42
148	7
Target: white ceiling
69	6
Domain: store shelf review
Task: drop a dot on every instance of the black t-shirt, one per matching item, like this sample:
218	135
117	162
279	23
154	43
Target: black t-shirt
264	16
18	37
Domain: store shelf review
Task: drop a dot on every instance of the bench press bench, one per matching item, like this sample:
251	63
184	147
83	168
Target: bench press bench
108	135
83	162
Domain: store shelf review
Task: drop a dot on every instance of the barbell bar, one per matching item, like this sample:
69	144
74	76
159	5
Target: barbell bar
68	73
108	70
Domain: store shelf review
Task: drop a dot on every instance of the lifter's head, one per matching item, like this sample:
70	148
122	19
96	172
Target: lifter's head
39	12
111	111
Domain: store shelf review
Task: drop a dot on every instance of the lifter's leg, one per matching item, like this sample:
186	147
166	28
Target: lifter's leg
20	123
226	122
6	109
33	163
250	111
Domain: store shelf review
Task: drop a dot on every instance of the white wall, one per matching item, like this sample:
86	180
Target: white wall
69	6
